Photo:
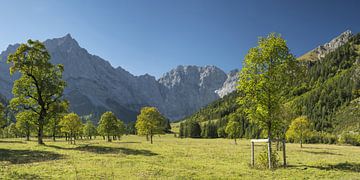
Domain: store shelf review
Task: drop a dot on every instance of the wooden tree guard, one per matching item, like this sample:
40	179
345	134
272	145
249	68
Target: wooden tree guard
253	141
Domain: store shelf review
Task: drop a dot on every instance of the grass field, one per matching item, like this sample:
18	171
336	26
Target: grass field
168	158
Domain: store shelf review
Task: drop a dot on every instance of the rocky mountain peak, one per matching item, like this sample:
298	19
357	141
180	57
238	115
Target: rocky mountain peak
335	43
94	86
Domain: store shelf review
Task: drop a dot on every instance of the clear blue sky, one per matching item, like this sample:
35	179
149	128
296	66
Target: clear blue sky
154	36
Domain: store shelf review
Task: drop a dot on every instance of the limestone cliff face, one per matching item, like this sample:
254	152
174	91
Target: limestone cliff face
94	86
230	83
189	88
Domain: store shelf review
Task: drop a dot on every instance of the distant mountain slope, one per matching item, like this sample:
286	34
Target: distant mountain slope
328	94
94	86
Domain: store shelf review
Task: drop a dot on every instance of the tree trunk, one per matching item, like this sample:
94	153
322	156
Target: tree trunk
40	131
147	137
235	140
109	139
151	137
269	146
53	136
74	138
28	136
301	140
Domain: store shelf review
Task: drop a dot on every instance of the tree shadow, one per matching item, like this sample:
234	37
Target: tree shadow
20	142
17	175
108	150
321	153
129	142
27	156
327	148
346	167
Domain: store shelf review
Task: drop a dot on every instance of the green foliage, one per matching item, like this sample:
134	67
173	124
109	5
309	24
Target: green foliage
25	123
350	138
71	124
109	125
262	160
2	116
332	83
320	137
89	129
56	113
298	129
209	130
150	122
265	80
11	131
190	129
40	85
234	128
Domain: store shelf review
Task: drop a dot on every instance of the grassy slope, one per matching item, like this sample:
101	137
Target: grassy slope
168	157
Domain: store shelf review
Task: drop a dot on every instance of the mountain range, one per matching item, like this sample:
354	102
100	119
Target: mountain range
94	86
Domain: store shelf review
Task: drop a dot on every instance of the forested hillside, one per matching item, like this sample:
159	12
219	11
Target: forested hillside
327	93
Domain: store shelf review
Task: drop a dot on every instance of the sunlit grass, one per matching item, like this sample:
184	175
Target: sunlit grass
134	158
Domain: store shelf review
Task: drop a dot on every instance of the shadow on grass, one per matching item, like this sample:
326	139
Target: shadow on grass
21	142
130	142
27	156
323	148
108	150
17	175
346	167
321	152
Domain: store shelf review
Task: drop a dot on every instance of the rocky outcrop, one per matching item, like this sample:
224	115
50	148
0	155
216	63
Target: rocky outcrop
335	43
94	86
321	51
230	83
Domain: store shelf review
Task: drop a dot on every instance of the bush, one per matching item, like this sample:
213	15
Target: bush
262	160
350	138
320	137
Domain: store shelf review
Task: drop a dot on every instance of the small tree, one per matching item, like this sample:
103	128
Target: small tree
11	130
89	129
265	80
71	124
120	129
149	122
25	123
233	129
108	125
298	129
56	113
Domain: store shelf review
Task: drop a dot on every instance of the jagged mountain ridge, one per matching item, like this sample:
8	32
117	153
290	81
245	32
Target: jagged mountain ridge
322	50
94	86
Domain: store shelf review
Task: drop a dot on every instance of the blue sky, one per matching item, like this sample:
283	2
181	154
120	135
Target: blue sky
154	36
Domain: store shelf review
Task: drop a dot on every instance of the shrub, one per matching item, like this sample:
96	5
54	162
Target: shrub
350	138
320	137
262	160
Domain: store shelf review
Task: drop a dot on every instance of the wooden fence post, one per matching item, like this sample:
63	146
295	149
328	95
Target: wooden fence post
252	154
269	153
284	152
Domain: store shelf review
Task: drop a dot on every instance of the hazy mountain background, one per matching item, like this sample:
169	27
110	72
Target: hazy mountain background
94	86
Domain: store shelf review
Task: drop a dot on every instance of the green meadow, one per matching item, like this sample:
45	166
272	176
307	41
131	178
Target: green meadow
169	158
